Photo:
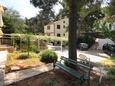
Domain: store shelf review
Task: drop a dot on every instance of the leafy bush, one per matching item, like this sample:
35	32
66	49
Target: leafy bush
65	44
42	45
86	39
111	73
34	48
23	56
48	56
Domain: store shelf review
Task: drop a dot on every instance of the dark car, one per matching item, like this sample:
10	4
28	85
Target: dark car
109	49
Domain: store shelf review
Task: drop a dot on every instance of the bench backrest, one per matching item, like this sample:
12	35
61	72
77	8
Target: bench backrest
85	66
79	63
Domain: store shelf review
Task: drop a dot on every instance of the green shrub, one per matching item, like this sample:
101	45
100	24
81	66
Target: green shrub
23	56
65	44
17	41
48	56
34	48
111	73
42	45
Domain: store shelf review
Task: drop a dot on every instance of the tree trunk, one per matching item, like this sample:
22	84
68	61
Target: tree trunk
73	17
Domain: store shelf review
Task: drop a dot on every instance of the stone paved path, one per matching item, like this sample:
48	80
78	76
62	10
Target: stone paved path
3	57
27	73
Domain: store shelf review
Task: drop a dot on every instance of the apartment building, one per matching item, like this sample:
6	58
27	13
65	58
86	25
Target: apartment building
57	28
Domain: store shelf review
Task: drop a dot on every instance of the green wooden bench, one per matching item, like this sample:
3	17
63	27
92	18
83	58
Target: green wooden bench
85	76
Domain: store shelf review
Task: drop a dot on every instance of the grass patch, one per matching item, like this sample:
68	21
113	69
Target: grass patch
109	61
32	61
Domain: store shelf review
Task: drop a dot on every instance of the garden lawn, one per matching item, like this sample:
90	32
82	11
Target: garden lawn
14	61
109	61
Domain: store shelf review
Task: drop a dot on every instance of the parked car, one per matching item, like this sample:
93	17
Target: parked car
83	46
109	49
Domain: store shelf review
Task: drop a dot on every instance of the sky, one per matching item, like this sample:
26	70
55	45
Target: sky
24	7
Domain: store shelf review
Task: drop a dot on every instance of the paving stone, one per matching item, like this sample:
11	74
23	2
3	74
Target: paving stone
3	57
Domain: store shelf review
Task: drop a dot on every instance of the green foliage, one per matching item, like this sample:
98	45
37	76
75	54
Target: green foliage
65	44
45	15
34	48
48	56
112	58
112	35
12	22
36	24
51	38
44	4
92	17
112	8
23	56
111	73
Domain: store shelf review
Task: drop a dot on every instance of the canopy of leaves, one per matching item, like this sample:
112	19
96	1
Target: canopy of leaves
36	24
92	17
44	4
112	7
88	10
12	22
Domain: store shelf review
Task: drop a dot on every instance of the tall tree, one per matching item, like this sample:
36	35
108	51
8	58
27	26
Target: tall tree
78	11
12	22
73	18
36	24
74	8
46	13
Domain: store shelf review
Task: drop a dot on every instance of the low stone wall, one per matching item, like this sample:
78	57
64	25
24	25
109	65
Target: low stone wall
7	48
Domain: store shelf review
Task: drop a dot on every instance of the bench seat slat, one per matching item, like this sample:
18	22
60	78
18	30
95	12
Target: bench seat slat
71	71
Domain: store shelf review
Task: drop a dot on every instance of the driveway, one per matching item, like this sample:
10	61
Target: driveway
95	56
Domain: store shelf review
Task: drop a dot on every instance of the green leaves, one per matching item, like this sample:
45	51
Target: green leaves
43	4
12	22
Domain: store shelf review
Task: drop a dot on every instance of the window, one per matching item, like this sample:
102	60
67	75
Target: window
58	35
58	26
63	21
48	27
63	34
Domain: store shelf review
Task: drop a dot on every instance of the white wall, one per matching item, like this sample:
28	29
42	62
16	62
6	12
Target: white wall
62	23
54	30
49	31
